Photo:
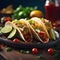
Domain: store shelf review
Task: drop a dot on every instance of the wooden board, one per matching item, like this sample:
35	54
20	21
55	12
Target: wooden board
15	55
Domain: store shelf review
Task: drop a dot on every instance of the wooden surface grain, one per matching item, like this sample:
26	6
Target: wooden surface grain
15	55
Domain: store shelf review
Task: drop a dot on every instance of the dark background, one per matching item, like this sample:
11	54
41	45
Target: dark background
16	3
24	3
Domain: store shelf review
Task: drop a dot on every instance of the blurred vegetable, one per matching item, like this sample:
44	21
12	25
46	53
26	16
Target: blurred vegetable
8	49
7	10
36	13
52	34
22	12
6	29
5	19
12	34
24	52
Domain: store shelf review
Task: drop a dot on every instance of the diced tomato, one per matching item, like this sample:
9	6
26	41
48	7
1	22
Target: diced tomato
43	36
28	38
41	33
44	40
7	19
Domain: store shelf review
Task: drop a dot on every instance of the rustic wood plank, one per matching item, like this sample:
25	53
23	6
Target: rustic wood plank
15	55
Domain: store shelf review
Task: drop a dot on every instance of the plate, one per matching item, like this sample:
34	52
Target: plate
28	46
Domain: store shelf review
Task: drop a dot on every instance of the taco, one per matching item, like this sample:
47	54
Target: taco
39	30
24	29
49	28
15	27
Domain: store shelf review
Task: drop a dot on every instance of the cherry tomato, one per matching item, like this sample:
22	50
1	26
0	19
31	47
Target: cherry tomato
50	50
7	19
34	50
16	40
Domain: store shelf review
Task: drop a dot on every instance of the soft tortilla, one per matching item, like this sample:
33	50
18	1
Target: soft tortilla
43	27
14	26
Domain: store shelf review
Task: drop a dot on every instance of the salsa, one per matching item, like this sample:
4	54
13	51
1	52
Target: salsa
51	10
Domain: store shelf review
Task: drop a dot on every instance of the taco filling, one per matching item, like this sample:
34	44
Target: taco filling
49	28
39	30
25	30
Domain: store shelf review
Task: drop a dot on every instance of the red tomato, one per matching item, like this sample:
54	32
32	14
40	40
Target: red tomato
41	33
16	40
7	19
34	50
50	50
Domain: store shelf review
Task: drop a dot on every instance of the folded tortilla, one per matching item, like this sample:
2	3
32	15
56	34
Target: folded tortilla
14	26
41	23
49	28
25	30
38	27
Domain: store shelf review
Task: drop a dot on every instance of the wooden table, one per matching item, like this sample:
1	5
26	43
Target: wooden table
15	55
